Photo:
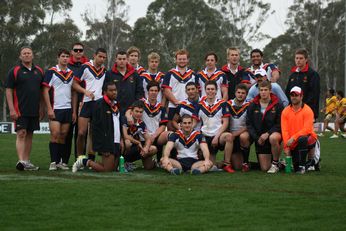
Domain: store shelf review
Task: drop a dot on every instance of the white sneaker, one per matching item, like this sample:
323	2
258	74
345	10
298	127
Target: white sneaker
320	134
343	135
334	136
78	164
28	166
273	169
214	168
62	166
53	166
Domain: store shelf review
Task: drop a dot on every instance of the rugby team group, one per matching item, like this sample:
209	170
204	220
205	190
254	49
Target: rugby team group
179	120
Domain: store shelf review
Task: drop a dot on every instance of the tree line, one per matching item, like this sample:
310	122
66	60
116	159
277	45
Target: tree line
199	26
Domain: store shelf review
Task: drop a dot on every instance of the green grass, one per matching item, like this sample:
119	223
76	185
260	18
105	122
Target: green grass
155	200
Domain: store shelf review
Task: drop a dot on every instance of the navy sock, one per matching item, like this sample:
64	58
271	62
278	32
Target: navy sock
246	153
85	161
91	157
63	153
54	152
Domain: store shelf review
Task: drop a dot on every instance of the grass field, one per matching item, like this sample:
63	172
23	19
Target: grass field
155	200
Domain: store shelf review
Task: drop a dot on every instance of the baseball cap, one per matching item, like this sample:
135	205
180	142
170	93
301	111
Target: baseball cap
260	72
296	90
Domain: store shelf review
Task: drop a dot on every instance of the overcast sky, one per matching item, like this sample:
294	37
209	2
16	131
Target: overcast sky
274	26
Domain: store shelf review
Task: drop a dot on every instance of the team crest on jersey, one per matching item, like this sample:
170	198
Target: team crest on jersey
256	111
305	79
131	79
115	80
108	112
273	110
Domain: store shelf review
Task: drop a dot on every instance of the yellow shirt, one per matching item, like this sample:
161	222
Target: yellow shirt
331	104
341	106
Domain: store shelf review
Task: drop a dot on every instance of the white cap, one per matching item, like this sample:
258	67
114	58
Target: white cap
296	90
261	72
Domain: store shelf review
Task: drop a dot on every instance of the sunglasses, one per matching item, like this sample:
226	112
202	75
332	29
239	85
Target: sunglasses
78	50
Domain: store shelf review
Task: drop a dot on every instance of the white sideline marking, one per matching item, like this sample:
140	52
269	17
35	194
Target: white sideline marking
12	177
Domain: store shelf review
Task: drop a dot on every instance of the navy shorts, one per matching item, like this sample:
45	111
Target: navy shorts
28	123
187	163
171	112
63	116
133	154
87	109
236	145
213	150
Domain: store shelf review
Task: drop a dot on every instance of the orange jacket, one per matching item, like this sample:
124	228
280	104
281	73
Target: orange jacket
297	123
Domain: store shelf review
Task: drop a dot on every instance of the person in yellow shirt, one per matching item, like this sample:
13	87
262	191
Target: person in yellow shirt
329	110
340	118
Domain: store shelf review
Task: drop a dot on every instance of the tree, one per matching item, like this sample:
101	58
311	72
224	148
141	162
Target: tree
112	32
193	25
242	14
321	31
54	37
20	23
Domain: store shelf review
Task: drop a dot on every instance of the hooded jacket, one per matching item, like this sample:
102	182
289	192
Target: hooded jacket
258	123
129	86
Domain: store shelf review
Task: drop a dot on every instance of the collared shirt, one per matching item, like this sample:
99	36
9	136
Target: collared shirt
61	83
187	147
218	76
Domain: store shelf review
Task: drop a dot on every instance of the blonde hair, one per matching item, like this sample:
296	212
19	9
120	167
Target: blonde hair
232	49
182	52
132	50
153	55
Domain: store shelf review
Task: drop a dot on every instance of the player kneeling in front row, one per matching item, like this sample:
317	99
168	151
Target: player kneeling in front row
138	144
297	124
187	142
106	132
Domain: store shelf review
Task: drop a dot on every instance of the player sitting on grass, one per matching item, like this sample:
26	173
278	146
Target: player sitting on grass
187	142
106	132
137	139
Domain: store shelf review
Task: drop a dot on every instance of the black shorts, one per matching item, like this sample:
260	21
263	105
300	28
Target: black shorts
116	151
187	163
171	112
133	154
28	123
236	145
63	116
87	109
266	148
213	150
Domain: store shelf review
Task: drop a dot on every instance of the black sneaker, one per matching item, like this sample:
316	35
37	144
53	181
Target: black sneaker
20	166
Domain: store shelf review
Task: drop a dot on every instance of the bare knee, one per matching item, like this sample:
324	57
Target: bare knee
21	134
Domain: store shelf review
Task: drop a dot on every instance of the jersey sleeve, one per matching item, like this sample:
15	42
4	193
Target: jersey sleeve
246	77
78	75
224	81
166	81
164	116
225	110
47	80
173	137
200	138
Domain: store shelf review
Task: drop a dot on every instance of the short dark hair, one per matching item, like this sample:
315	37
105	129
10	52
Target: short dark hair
341	93
25	47
100	50
63	51
331	91
77	44
153	84
256	51
242	87
191	84
106	84
137	104
186	116
121	52
209	54
210	82
265	83
302	51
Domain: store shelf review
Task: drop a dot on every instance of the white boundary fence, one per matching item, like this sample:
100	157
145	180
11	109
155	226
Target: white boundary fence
8	127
